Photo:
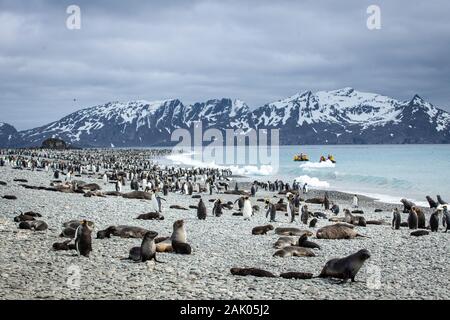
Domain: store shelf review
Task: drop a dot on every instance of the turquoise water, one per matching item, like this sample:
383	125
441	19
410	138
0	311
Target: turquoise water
388	172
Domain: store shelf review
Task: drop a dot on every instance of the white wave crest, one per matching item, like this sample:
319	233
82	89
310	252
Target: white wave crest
312	181
317	165
187	160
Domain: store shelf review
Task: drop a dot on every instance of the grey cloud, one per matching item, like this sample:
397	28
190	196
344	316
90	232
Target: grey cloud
258	51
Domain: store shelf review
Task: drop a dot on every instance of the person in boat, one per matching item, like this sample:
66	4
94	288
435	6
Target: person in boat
322	159
331	158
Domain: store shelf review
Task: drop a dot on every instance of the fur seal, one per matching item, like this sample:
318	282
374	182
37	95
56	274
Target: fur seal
303	242
68	233
251	272
345	268
419	233
201	210
181	247
137	195
288	231
337	231
440	200
147	250
83	240
412	219
66	245
294	251
283	242
434	221
314	200
320	215
35	225
150	216
9	197
23	217
262	230
312	223
3	183
433	204
355	220
296	275
175	206
407	205
122	231
396	219
178	234
358	211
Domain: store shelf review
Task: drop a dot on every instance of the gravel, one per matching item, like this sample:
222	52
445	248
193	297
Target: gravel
401	266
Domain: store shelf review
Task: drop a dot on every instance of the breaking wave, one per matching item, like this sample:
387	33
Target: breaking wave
312	181
317	165
251	170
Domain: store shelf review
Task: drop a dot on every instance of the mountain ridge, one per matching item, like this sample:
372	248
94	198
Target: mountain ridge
342	116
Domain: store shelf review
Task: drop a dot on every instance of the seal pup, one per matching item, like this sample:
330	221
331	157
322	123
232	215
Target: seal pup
396	219
294	251
419	233
283	242
9	197
175	206
122	231
83	239
433	204
303	242
201	210
150	216
338	231
178	234
434	221
355	220
262	230
247	209
345	268
312	223
181	247
35	225
147	250
412	219
251	272
288	231
440	200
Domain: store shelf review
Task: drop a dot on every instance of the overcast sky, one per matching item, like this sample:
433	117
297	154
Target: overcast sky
257	51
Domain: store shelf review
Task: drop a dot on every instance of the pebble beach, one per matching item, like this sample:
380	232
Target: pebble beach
400	267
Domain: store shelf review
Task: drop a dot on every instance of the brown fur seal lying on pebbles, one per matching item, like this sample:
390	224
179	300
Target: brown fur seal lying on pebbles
251	272
36	225
283	242
355	220
137	195
294	251
358	211
378	210
150	216
175	206
376	222
9	197
312	223
66	245
178	234
289	231
320	215
337	231
27	216
20	180
262	230
419	233
3	183
147	250
345	268
305	243
296	275
122	231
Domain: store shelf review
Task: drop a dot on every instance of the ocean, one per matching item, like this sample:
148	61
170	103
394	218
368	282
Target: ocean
385	172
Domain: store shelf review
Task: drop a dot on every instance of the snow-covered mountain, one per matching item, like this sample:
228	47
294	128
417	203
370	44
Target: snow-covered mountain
9	137
341	116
